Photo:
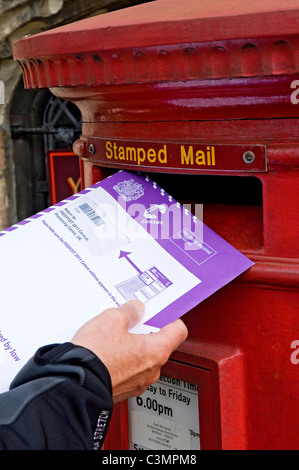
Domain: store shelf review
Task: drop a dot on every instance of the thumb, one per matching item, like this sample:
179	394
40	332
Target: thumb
173	334
134	311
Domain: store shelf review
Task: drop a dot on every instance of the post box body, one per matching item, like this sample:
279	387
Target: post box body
253	404
213	121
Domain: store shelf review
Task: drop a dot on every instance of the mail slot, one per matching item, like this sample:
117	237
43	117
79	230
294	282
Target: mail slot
202	97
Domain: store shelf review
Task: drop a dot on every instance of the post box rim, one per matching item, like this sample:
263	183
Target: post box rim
154	37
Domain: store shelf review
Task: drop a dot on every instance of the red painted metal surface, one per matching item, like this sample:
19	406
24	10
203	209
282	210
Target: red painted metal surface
166	40
215	370
204	74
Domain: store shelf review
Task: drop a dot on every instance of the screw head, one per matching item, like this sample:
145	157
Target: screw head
248	157
91	149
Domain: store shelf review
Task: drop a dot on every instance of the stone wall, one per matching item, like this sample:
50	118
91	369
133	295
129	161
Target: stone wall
17	19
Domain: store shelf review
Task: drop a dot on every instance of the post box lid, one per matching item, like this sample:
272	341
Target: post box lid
163	40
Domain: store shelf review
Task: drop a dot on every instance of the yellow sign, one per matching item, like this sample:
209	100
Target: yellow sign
142	155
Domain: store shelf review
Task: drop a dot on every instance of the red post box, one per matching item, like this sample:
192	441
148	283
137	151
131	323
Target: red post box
202	96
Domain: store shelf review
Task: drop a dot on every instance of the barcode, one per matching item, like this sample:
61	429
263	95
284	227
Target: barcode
96	219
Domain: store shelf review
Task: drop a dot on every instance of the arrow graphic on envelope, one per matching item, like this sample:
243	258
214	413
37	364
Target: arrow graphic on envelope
125	254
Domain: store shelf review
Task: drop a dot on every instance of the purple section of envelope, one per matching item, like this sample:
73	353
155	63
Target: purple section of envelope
200	250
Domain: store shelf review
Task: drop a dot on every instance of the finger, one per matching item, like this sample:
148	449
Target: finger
173	334
134	311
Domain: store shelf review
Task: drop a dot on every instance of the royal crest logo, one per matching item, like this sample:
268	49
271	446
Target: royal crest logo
129	190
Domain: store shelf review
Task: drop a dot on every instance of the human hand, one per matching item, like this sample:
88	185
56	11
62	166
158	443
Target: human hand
133	360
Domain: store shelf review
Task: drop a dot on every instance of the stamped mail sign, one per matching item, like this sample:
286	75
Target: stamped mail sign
182	156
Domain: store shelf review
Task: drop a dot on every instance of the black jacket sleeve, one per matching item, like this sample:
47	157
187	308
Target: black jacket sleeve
60	400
